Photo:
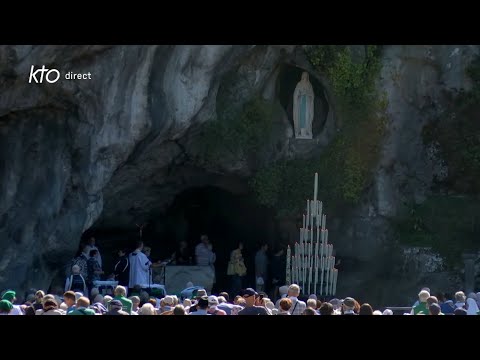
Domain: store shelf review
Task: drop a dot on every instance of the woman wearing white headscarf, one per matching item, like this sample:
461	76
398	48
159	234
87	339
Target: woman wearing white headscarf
472	305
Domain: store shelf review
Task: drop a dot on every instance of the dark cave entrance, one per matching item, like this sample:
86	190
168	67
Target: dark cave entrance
287	80
225	217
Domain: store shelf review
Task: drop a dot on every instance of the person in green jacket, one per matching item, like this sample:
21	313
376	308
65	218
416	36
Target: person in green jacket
81	308
422	306
120	293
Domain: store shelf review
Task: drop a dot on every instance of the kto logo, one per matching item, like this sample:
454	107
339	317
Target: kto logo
51	75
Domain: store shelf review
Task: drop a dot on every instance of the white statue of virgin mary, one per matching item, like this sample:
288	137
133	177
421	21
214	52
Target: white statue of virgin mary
303	97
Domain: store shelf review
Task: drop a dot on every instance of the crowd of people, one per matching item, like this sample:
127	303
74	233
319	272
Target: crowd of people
199	302
132	273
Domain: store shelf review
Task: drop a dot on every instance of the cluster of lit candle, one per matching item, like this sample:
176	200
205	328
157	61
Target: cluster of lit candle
312	266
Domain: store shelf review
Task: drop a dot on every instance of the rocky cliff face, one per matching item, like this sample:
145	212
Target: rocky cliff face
113	148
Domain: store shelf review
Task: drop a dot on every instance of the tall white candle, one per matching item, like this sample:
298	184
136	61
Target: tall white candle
308	212
288	270
303	221
335	282
315	187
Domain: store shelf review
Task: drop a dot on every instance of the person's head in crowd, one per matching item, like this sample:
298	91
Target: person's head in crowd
168	301
98	299
187	303
460	311
348	304
377	312
106	300
94	292
235	300
423	296
387	312
365	309
69	298
10	295
319	303
120	291
221	300
326	309
75	269
285	304
336	303
460	297
144	296
175	300
283	290
30	299
225	296
212	301
241	302
49	304
293	291
203	303
356	309
249	296
48	297
441	298
308	311
152	301
83	302
434	309
472	295
78	295
313	296
312	303
270	306
200	293
135	302
260	299
179	310
432	300
147	309
5	307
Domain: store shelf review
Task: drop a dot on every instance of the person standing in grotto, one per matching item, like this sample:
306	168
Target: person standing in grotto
81	260
236	270
94	269
91	245
139	266
122	268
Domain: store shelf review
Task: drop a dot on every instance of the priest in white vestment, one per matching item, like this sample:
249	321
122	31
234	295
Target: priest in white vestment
139	267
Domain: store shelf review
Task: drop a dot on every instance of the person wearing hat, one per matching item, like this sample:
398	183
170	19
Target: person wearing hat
202	306
250	295
348	306
10	295
212	306
198	294
6	307
116	308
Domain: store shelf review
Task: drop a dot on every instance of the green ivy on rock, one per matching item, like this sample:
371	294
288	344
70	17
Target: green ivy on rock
345	167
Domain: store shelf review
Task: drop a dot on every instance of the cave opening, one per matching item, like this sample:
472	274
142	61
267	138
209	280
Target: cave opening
225	217
287	80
